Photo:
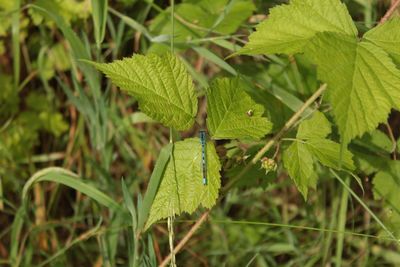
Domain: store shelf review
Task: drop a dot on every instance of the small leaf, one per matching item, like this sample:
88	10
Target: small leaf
317	127
312	147
300	165
181	188
161	85
129	203
232	113
363	82
328	153
386	36
289	28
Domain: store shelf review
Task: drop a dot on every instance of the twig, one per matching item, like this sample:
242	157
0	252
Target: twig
186	238
390	12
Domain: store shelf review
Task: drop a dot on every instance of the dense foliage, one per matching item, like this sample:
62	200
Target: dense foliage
299	100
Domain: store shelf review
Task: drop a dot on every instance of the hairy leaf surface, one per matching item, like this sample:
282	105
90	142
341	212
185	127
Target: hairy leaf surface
232	113
363	81
289	28
181	188
386	36
161	85
300	165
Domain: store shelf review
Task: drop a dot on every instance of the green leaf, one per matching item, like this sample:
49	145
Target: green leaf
363	82
232	113
99	8
161	85
129	204
300	165
327	153
289	28
317	126
181	188
387	187
70	179
312	147
386	36
154	184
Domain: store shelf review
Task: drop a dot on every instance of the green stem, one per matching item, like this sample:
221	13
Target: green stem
332	225
172	25
342	223
171	140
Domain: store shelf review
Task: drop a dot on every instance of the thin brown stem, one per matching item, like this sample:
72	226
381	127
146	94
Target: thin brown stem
393	139
390	12
191	232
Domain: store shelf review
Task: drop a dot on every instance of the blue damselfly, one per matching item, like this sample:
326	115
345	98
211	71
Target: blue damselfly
203	155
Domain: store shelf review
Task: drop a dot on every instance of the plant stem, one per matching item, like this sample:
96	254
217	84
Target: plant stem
390	12
171	140
342	223
191	232
172	25
171	240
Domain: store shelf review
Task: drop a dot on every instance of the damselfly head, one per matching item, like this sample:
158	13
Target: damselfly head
250	112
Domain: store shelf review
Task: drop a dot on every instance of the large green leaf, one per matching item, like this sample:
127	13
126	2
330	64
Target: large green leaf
232	113
363	81
310	147
161	84
181	188
387	187
289	28
387	36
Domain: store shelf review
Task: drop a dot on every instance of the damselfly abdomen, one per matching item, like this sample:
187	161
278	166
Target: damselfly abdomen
203	156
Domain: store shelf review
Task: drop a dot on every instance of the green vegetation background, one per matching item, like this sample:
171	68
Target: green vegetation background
54	112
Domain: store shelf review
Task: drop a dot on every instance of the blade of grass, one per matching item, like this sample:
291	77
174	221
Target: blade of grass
82	237
99	11
332	225
1	194
50	10
132	210
132	23
154	183
207	54
150	251
199	77
15	236
70	179
365	207
342	223
289	100
15	43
